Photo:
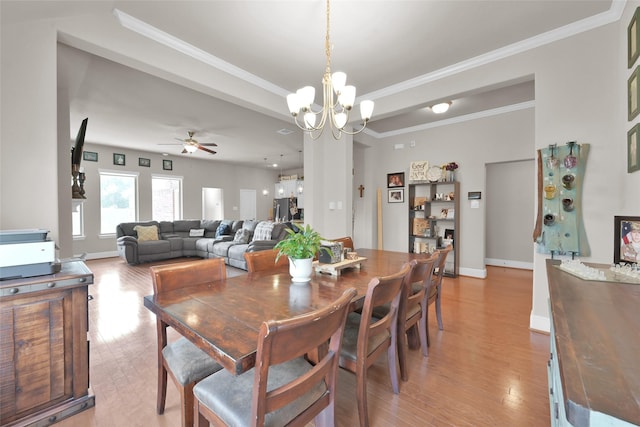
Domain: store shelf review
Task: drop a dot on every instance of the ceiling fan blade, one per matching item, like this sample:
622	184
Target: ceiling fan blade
171	143
206	149
209	144
179	139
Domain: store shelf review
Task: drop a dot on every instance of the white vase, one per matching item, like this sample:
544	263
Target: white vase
300	269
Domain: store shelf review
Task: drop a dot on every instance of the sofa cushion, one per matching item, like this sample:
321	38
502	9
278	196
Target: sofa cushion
235	226
185	225
221	249
223	229
196	232
263	230
210	226
149	232
152	247
166	227
127	227
242	236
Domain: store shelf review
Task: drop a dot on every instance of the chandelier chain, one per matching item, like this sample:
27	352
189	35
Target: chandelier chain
327	41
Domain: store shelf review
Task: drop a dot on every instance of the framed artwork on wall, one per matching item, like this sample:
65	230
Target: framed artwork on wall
167	165
395	179
633	149
633	37
626	239
118	159
90	156
144	162
633	94
396	196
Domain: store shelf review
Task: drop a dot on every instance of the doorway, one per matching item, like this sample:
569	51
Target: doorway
212	203
247	204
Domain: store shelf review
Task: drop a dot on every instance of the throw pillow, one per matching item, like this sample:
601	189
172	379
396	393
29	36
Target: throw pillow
222	230
263	230
149	232
242	236
196	232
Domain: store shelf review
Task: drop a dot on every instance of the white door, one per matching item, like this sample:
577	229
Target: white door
247	204
212	203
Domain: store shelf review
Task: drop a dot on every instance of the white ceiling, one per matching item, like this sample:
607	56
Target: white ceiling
248	54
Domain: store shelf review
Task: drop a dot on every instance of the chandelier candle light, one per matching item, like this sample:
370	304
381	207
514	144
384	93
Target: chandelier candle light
337	112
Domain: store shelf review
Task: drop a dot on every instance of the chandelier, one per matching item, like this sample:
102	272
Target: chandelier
335	112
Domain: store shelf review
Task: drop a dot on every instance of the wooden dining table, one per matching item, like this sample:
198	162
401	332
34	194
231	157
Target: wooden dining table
223	317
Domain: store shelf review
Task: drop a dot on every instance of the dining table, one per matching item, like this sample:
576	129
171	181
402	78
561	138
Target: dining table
223	317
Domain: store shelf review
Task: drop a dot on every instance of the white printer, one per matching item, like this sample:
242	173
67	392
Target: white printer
26	253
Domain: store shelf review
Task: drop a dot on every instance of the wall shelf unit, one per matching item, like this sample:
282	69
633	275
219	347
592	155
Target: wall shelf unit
434	219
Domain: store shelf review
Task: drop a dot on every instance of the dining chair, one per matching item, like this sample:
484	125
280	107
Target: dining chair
283	388
366	337
264	260
410	309
185	363
433	294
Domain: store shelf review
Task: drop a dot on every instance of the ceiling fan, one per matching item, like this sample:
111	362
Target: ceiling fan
190	145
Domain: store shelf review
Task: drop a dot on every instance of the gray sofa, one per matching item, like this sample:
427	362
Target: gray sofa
140	242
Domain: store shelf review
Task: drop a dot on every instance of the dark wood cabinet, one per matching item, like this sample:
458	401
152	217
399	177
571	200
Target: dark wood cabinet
44	350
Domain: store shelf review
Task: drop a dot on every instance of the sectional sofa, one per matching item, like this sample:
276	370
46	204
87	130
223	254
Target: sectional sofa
140	242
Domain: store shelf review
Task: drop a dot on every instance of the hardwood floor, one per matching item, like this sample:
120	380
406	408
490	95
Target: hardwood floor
485	369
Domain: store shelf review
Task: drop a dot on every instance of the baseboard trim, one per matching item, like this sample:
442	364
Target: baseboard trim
539	324
98	255
473	272
509	263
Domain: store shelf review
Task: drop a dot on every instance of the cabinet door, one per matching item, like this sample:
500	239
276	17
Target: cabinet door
35	353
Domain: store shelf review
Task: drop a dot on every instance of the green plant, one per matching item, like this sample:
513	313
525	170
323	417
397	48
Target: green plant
300	245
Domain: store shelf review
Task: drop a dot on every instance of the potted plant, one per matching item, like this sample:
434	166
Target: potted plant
301	247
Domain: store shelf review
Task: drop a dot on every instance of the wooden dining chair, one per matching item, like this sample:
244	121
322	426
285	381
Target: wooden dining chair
283	388
185	363
433	294
264	260
410	309
366	337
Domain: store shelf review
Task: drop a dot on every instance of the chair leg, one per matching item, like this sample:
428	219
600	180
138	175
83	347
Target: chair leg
393	369
162	388
422	332
438	312
361	393
402	353
199	419
186	404
326	417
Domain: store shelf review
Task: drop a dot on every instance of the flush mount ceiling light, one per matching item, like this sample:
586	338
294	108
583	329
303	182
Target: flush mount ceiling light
442	107
336	113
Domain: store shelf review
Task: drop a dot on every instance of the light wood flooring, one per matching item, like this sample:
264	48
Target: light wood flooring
486	368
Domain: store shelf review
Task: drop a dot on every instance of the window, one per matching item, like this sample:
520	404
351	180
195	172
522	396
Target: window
77	219
166	198
118	200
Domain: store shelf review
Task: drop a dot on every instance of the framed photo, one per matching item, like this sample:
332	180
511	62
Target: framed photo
395	179
396	196
144	162
633	149
118	159
167	165
626	242
90	156
633	37
633	93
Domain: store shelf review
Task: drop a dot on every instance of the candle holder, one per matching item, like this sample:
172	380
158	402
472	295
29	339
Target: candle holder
75	188
81	180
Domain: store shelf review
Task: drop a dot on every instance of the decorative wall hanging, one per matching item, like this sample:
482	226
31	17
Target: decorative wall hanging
418	171
633	38
559	228
395	179
633	149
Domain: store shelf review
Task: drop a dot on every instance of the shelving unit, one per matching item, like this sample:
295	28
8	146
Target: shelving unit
434	217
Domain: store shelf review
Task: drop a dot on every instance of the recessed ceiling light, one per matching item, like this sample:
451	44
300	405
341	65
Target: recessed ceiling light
441	107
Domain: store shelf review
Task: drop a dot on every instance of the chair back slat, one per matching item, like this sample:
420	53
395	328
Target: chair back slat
264	260
347	242
170	277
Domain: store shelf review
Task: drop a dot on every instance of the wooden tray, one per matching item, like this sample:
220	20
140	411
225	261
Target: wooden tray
334	269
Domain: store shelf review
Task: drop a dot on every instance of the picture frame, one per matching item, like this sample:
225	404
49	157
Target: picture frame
633	149
625	243
90	156
633	38
633	94
119	159
167	165
144	162
418	170
395	180
395	195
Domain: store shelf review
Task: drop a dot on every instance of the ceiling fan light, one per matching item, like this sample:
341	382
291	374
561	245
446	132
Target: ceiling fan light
440	108
366	110
190	148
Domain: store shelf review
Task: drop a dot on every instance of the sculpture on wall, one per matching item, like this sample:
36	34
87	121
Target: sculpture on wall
77	187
